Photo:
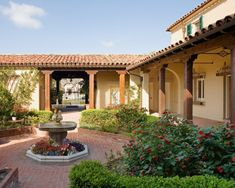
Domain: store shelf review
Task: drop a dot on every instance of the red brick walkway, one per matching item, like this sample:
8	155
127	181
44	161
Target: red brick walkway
33	174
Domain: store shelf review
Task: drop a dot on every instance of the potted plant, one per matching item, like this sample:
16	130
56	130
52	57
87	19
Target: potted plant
13	116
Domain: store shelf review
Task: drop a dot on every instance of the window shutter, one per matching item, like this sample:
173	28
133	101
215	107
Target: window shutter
201	22
189	29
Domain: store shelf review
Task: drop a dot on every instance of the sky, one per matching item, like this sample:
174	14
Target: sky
88	26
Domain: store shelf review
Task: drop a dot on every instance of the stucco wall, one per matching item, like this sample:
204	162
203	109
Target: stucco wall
175	87
213	107
210	15
106	82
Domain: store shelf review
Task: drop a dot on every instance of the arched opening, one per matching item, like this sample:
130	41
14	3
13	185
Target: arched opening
172	91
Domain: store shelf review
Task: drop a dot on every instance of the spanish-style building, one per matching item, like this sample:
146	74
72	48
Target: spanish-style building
194	76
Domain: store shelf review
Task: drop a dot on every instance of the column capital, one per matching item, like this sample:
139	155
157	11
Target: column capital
191	58
121	71
47	71
91	71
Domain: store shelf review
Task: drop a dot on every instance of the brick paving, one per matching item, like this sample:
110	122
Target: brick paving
33	174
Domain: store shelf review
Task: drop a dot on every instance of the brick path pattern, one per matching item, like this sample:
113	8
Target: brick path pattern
33	174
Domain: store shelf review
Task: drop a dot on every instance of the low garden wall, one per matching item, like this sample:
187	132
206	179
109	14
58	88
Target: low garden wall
17	131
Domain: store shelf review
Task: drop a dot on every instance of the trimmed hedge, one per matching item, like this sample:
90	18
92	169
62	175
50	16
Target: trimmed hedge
102	119
93	175
36	116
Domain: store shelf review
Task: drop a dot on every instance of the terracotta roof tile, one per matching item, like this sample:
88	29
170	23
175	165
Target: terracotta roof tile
70	61
188	14
228	21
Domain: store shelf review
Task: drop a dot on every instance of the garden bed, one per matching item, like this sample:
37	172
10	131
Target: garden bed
17	131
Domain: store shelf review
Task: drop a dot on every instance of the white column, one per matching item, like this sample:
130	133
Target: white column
145	90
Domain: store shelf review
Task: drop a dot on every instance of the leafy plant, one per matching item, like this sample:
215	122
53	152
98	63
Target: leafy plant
93	174
6	102
130	116
22	93
104	120
217	150
173	147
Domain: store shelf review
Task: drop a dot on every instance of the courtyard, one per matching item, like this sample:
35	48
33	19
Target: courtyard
91	102
33	174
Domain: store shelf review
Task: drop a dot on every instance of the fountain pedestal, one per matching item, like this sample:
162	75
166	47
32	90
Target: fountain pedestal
58	131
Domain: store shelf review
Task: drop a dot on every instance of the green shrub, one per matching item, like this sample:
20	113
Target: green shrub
172	147
217	150
104	120
151	119
130	116
35	116
92	174
6	102
163	150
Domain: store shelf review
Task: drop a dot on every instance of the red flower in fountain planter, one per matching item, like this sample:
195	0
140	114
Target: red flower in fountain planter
64	149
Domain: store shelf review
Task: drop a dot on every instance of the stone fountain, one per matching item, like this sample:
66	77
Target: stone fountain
57	130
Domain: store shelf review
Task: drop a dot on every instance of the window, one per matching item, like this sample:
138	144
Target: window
189	29
197	26
200	94
201	22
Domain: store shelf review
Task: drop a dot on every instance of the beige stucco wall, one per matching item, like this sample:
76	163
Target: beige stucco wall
211	14
106	81
175	87
213	108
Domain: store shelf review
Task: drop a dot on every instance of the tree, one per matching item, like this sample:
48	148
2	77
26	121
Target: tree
25	88
20	87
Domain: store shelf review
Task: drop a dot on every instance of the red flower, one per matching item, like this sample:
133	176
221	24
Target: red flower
219	169
233	159
149	150
134	131
141	158
141	131
166	141
201	133
155	158
160	137
199	139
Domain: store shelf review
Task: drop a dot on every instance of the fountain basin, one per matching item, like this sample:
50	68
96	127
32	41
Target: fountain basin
58	131
68	158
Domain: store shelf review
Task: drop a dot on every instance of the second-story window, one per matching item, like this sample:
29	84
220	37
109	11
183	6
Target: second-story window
189	29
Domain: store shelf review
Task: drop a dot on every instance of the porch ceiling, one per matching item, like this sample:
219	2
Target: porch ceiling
69	61
214	34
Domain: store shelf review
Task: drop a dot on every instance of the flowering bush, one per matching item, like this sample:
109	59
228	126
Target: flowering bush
177	148
49	148
130	116
163	150
216	149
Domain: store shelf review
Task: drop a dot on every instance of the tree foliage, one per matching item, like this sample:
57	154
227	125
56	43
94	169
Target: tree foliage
21	87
